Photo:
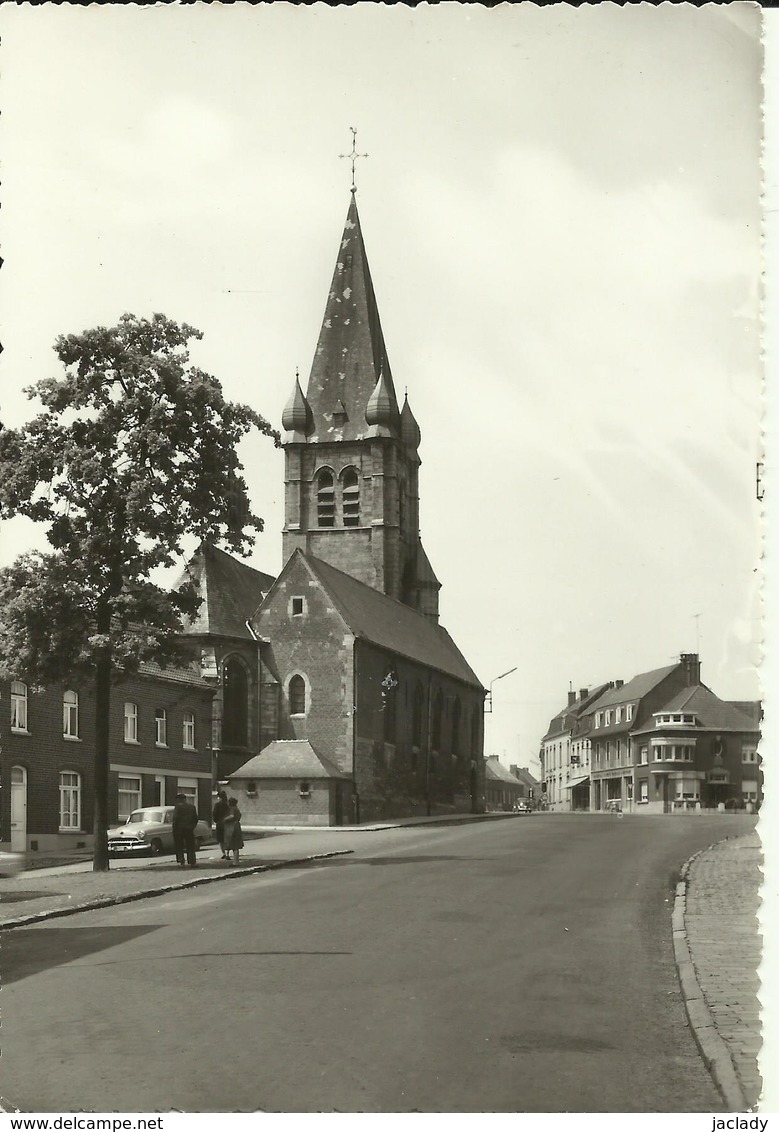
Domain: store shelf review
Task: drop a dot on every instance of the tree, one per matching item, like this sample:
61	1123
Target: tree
135	448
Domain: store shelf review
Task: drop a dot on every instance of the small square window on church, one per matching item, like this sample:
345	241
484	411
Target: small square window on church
298	607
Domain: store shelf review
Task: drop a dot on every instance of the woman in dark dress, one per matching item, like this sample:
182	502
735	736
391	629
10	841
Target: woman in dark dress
233	834
218	815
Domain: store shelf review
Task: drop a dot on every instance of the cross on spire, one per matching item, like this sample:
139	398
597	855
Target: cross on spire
353	156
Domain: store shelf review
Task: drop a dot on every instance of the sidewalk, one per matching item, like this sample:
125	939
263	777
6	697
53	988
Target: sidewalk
69	885
719	914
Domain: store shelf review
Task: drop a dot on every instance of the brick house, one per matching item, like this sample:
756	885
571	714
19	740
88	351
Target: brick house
698	752
502	788
663	742
160	738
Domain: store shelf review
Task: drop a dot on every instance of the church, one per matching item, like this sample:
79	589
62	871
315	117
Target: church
340	697
330	695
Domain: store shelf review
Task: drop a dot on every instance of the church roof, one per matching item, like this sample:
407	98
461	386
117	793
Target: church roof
374	617
351	357
288	758
231	591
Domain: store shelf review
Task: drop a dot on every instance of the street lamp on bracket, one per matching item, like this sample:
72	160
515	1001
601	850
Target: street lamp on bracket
488	695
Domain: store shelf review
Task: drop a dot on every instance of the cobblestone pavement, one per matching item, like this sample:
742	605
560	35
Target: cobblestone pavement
725	946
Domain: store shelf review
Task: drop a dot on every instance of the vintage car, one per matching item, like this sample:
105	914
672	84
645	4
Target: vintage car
150	830
523	808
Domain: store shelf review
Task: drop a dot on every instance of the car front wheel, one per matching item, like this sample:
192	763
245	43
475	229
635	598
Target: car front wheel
156	847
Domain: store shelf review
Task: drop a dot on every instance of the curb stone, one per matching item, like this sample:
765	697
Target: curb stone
129	898
712	1047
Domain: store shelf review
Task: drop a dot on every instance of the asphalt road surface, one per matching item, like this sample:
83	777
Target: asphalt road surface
522	965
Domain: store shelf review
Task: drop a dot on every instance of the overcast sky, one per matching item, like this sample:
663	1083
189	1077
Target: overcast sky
561	213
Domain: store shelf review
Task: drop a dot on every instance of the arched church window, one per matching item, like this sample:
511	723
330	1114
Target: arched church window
438	711
235	708
325	499
456	715
297	696
416	718
351	497
475	722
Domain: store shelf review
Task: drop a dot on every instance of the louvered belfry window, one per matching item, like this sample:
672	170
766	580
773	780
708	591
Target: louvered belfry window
351	498
325	499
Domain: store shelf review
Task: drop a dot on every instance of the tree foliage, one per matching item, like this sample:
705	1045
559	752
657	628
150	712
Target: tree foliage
135	448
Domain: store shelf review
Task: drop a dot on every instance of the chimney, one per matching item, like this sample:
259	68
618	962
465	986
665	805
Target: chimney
692	668
514	769
583	694
618	683
571	699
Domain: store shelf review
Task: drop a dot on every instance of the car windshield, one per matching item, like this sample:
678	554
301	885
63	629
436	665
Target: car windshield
138	816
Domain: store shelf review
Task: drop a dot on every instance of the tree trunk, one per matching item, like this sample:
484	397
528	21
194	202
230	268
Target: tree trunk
100	863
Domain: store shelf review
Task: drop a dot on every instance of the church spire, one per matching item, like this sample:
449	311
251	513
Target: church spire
351	357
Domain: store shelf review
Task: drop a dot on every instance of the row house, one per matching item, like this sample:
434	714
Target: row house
502	788
565	754
160	745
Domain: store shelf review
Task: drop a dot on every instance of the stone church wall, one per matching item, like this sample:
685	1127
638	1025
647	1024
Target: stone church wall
402	778
315	645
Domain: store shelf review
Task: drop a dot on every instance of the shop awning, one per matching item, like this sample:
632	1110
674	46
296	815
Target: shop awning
577	782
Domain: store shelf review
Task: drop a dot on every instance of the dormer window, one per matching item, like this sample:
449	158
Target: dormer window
325	499
675	719
618	715
598	718
351	498
628	712
607	719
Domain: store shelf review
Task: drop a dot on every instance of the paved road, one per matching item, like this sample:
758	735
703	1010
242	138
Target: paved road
517	966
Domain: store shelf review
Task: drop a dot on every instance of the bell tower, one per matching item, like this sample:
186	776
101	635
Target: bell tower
351	453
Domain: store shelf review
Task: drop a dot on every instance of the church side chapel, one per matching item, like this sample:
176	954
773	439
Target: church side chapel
360	706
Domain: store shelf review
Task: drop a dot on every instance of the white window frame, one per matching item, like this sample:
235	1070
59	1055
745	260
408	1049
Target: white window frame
607	718
70	801
19	706
749	788
70	714
160	727
188	787
188	731
130	722
124	793
598	718
291	609
643	790
749	753
628	713
618	715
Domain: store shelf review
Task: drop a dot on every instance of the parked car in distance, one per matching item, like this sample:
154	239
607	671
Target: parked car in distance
11	863
523	808
614	806
150	830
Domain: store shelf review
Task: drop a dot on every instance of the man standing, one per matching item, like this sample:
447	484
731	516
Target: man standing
184	821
